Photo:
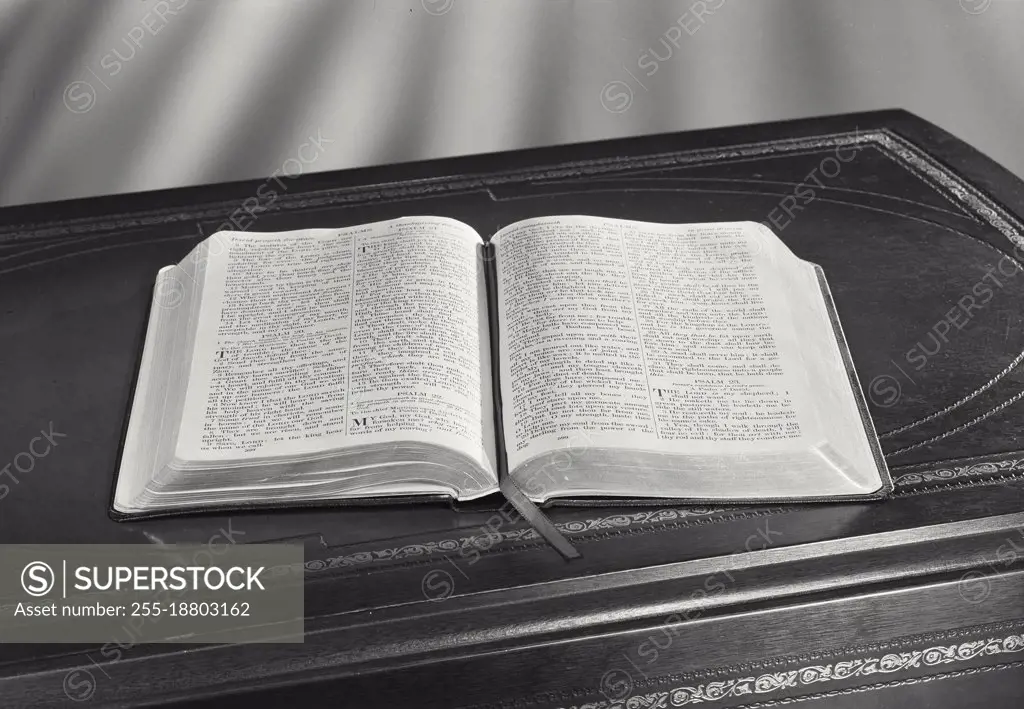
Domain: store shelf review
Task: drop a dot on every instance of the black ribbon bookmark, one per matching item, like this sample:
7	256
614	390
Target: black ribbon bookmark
537	519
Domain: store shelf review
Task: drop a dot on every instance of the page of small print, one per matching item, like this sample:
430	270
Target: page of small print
649	335
324	339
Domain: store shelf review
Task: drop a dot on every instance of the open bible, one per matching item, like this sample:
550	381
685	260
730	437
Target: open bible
582	357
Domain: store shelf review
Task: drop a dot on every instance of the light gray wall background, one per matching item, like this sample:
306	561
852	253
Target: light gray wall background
122	95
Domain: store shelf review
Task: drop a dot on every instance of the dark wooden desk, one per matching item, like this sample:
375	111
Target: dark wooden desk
918	599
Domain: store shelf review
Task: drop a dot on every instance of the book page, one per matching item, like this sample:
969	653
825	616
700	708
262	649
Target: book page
316	340
666	338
